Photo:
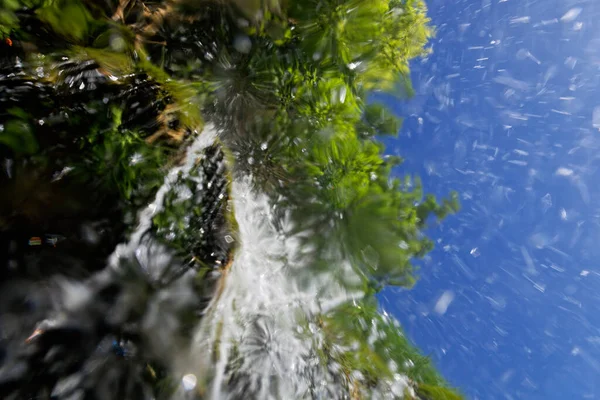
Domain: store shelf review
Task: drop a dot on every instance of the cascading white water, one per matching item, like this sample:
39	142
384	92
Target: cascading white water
261	311
258	338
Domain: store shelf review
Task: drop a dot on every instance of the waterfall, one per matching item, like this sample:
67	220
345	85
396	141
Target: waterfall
258	337
261	311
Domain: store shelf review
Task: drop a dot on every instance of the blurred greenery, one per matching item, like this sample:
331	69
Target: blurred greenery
67	18
17	134
361	338
115	90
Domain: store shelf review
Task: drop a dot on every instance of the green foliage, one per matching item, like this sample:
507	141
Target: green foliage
381	121
373	38
68	18
314	143
366	340
17	134
121	160
8	20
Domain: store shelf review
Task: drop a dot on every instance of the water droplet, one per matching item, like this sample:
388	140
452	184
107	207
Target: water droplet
563	171
8	166
135	158
571	14
441	306
189	382
563	214
242	44
353	65
343	94
117	43
370	256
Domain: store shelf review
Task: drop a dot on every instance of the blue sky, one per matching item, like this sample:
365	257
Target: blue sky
508	304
